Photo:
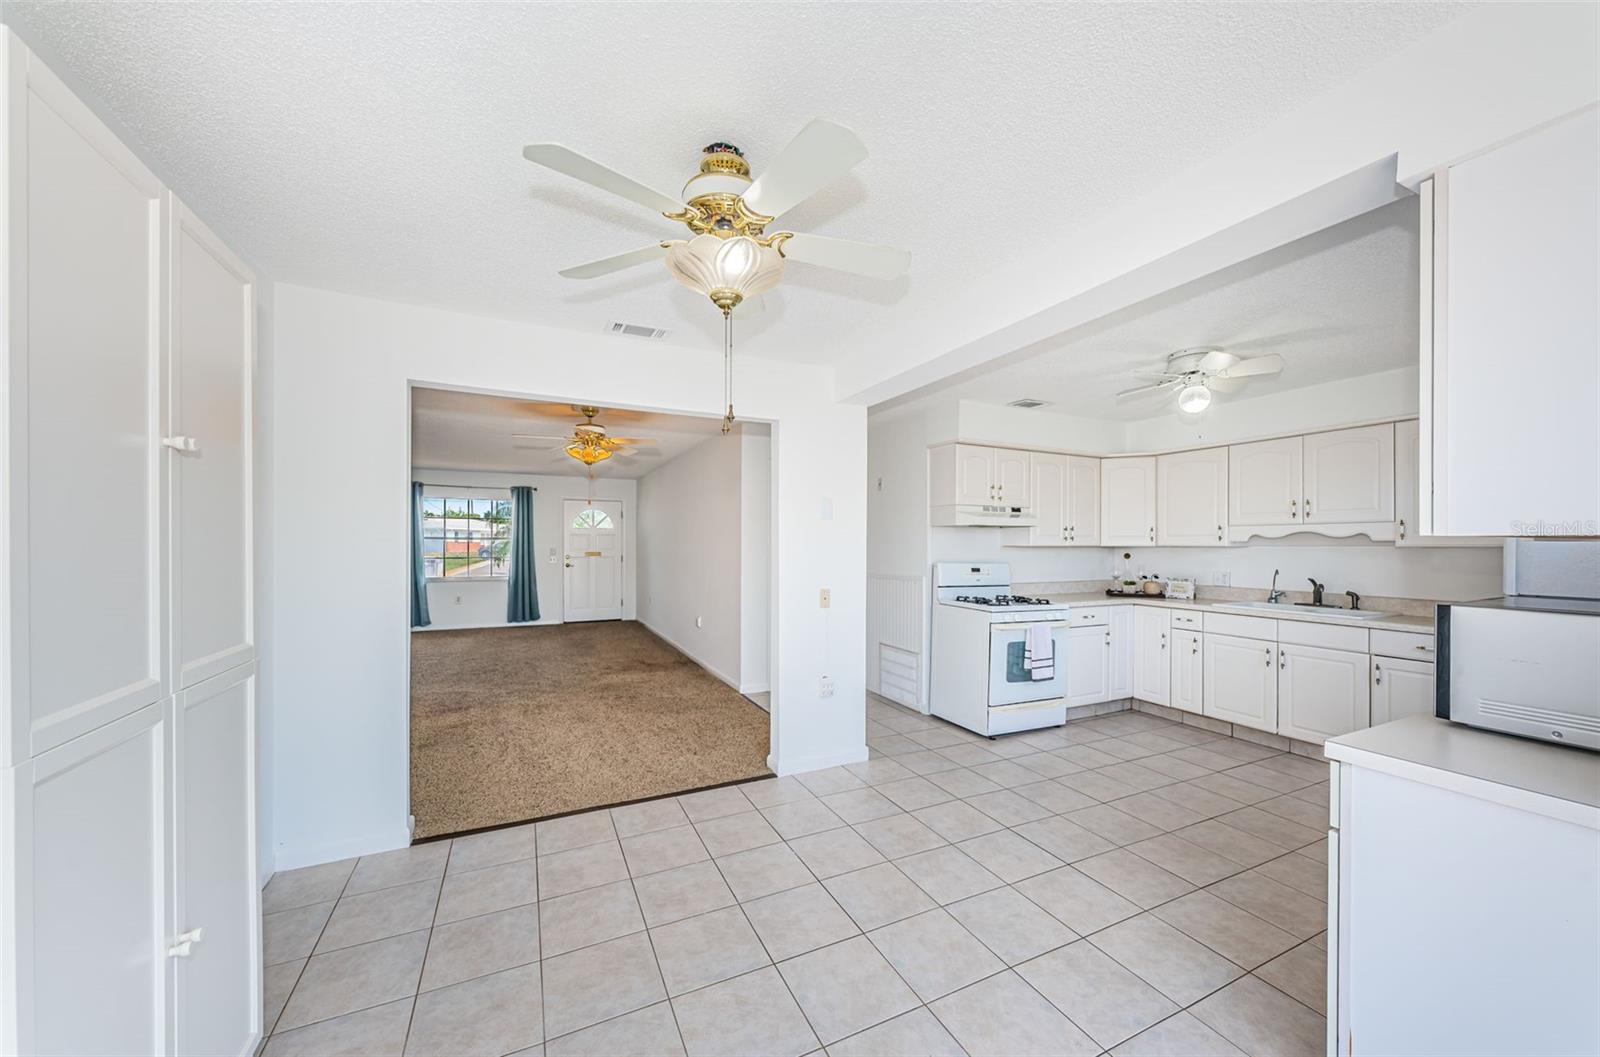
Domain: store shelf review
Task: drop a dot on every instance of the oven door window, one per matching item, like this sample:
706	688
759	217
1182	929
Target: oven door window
1010	682
1016	669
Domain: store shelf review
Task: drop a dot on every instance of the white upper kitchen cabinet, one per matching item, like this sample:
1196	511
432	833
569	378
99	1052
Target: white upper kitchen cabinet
1192	498
1128	501
975	475
84	462
1013	478
1264	482
1348	476
1240	681
1064	493
1152	664
1322	693
213	362
1088	663
1187	666
1510	369
1401	687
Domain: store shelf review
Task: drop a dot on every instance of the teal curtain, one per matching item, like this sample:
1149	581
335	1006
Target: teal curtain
522	594
419	577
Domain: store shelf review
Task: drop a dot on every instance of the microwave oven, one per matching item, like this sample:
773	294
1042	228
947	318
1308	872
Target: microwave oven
1522	665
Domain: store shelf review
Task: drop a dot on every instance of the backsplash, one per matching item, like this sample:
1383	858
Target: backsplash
1406	607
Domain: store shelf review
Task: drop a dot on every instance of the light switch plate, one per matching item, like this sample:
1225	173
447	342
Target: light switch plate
826	600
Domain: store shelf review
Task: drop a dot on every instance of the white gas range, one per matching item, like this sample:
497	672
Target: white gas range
978	678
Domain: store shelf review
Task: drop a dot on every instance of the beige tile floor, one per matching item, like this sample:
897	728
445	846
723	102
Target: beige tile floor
1122	885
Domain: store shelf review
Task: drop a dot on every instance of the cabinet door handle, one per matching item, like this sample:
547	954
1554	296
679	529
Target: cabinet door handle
183	945
1269	656
180	443
1402	528
1294	511
1283	660
1425	649
1308	509
1152	533
1194	647
1377	674
1219	533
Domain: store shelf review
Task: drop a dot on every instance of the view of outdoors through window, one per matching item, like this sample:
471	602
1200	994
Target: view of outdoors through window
465	537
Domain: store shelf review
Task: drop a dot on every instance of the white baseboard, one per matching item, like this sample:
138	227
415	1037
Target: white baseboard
756	688
732	681
293	856
802	764
480	627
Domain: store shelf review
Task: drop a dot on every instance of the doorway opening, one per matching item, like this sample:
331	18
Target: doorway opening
584	634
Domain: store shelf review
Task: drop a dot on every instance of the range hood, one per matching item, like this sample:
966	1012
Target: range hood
982	514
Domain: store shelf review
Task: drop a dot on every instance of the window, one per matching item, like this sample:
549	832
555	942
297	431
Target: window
468	539
592	519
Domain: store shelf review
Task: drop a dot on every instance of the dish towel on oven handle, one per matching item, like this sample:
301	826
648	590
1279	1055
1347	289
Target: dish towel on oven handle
1039	652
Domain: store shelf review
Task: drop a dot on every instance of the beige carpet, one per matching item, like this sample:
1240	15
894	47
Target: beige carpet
509	724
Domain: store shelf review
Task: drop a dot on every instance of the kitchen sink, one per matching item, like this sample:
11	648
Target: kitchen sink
1289	609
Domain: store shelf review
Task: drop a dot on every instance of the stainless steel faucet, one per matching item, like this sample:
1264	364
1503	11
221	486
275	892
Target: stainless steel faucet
1274	595
1316	592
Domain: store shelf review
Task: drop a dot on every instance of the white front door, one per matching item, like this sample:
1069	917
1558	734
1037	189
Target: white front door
592	546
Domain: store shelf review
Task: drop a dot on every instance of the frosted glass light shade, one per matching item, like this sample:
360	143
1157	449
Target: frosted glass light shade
1194	399
725	270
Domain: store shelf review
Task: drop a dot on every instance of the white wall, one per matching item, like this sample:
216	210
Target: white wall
340	665
755	560
690	544
483	602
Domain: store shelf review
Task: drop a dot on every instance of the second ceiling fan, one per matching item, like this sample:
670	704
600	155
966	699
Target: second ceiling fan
1198	372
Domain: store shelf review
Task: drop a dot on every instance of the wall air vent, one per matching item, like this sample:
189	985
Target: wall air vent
634	330
1028	401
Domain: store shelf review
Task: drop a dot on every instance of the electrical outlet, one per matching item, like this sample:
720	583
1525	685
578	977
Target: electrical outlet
826	599
1221	579
458	600
825	688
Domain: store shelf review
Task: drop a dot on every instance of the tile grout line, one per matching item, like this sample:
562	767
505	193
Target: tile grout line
432	924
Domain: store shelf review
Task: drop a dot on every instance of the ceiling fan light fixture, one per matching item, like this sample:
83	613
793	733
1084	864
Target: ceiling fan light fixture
1194	399
725	270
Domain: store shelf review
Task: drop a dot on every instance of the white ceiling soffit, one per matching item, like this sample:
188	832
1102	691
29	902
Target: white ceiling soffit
453	430
1338	304
376	148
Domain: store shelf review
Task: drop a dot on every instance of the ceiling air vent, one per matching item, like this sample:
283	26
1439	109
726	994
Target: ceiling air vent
634	330
1028	401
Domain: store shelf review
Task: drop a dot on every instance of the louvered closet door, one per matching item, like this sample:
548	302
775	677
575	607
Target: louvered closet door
86	250
213	353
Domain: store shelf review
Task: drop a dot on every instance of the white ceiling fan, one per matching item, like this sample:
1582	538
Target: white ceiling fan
730	255
1198	372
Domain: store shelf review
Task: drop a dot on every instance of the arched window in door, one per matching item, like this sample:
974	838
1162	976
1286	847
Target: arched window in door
590	518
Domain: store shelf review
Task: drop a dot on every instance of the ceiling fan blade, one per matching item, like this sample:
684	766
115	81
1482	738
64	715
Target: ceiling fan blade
1219	384
858	258
1271	363
632	440
569	162
1149	388
536	436
1215	361
607	265
820	154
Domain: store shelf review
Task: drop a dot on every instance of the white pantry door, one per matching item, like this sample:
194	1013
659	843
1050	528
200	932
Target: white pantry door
592	545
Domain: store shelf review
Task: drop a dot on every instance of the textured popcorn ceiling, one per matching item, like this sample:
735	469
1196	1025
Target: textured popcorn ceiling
1337	304
375	148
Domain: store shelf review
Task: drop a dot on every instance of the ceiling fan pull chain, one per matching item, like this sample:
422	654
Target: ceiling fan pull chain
727	369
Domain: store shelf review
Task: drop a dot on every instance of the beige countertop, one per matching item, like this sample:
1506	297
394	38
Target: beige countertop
1555	780
1391	622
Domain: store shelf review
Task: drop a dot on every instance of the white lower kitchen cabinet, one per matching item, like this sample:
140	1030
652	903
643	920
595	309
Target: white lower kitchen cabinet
1462	916
217	985
1401	687
1152	665
1322	693
89	843
1088	665
1239	680
1187	665
1121	676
